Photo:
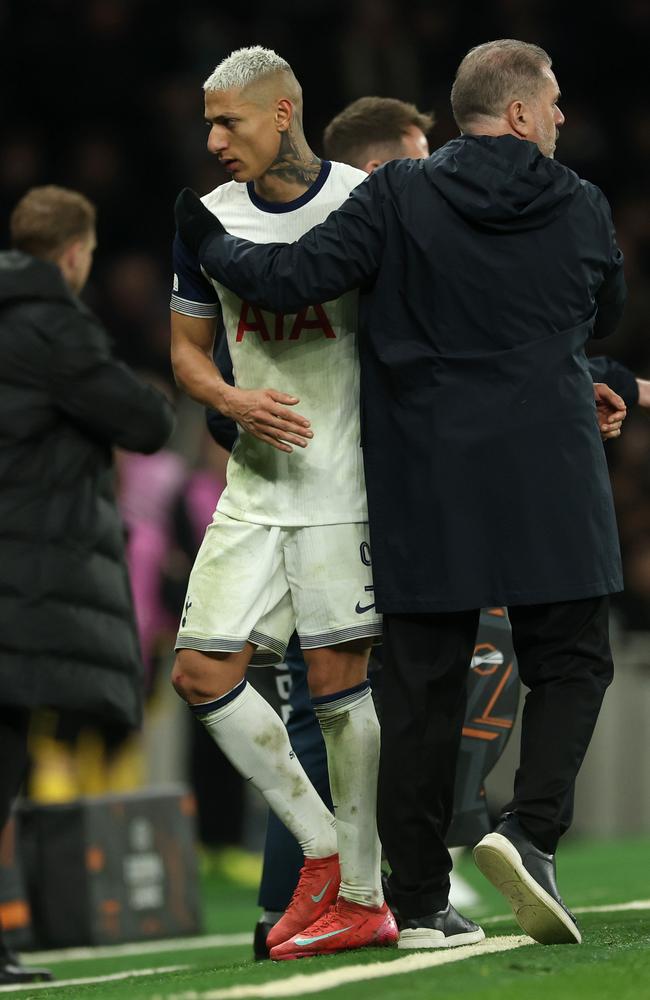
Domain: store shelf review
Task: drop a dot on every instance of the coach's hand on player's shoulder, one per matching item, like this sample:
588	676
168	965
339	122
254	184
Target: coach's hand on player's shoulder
194	221
610	409
265	414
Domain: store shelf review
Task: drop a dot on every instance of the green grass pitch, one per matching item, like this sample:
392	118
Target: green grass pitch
613	963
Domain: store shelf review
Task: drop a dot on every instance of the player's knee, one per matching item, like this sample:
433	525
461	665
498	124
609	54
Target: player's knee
202	677
187	676
179	678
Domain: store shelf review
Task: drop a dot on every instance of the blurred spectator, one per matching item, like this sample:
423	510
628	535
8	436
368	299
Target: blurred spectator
148	488
68	634
220	817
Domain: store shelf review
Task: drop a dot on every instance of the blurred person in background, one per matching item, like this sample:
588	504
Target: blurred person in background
490	385
220	817
68	633
148	487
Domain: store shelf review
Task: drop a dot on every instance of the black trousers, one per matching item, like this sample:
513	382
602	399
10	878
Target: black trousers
14	727
564	659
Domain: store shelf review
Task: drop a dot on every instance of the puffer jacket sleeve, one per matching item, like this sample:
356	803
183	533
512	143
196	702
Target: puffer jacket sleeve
100	393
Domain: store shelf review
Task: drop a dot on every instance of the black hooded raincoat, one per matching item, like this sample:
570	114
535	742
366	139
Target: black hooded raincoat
484	270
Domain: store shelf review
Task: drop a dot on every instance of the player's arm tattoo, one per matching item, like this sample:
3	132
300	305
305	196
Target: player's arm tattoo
291	164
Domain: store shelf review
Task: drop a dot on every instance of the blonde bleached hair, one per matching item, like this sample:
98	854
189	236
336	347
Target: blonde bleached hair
245	66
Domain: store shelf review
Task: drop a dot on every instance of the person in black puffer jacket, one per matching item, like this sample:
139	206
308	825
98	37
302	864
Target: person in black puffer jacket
67	629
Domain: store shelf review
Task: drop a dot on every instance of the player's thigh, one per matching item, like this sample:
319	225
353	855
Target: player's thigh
237	579
330	575
329	570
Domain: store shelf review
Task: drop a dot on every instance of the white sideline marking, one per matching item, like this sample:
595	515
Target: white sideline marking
93	979
140	948
301	984
637	904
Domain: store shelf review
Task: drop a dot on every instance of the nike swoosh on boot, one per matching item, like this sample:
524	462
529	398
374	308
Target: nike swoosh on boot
303	942
317	899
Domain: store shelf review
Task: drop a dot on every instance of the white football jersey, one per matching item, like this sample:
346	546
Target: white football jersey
312	355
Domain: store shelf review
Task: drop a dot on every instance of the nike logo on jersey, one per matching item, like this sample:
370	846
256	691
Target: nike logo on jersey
361	610
317	899
302	942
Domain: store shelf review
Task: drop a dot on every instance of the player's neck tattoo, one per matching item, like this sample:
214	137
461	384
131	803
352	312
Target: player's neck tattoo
295	162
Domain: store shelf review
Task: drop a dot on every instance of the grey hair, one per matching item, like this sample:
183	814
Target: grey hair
243	67
494	74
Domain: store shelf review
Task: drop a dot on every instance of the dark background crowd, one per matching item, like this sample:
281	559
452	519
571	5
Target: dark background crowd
105	96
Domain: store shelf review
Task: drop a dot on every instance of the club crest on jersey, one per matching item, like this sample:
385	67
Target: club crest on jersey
283	327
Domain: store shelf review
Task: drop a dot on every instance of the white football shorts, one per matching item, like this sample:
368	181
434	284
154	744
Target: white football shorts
260	583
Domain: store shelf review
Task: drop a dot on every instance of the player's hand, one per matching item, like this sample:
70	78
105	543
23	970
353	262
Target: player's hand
194	221
266	414
610	409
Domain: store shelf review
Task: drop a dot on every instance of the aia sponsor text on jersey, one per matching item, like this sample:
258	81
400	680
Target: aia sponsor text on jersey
252	320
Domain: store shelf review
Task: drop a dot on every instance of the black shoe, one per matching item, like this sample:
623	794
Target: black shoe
12	971
526	877
445	929
262	928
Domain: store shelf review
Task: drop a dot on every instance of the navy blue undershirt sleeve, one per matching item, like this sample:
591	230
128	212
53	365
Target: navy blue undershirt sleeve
222	429
617	377
192	294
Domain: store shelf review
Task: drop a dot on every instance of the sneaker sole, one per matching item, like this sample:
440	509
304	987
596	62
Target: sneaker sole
425	937
534	908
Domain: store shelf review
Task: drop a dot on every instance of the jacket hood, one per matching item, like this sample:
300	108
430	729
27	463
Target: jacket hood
500	182
25	277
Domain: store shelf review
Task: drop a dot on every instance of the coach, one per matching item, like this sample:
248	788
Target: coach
485	268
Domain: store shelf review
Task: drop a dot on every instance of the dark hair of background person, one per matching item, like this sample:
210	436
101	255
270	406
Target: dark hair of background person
47	218
494	74
371	121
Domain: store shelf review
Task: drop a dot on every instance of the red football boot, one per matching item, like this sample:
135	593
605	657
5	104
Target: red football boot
345	925
317	889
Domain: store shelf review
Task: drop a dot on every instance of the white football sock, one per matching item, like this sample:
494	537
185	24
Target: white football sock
351	732
255	741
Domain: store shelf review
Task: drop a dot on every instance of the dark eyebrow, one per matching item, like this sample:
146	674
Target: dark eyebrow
221	119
